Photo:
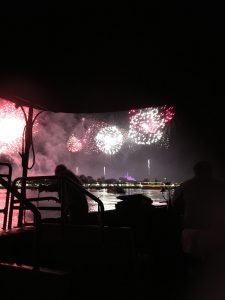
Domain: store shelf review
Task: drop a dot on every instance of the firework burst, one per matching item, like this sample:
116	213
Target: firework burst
109	140
89	139
147	125
83	136
11	127
74	144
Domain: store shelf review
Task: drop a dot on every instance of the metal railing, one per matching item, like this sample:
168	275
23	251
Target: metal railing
90	195
15	203
17	199
60	182
37	218
8	176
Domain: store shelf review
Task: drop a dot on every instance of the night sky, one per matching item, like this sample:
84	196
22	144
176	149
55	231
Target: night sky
115	58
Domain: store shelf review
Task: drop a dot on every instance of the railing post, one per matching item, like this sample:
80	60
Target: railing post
25	159
5	209
37	219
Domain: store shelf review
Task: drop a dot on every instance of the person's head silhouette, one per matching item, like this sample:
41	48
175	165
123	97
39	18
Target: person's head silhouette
60	169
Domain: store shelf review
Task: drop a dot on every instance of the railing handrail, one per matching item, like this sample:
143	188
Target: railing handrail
80	187
64	178
37	218
89	194
23	200
9	179
93	197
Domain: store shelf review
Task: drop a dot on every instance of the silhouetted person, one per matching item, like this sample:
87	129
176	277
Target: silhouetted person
201	202
74	200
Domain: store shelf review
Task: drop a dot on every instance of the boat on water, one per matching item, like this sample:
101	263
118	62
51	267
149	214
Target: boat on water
116	190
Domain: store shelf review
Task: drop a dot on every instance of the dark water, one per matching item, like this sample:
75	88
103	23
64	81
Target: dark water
109	200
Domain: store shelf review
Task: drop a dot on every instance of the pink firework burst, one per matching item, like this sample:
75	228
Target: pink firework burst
92	129
167	113
147	125
83	136
74	144
12	124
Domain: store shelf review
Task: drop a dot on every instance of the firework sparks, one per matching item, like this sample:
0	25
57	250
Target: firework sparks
147	125
109	140
74	144
167	113
11	127
92	129
83	136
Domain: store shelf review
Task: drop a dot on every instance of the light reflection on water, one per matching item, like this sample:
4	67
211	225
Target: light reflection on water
109	200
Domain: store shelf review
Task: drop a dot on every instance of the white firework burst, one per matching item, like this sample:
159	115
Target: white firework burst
109	140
